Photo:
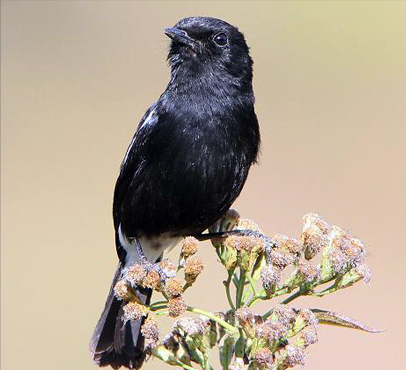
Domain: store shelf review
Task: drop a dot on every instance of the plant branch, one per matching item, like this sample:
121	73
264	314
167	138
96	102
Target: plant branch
215	318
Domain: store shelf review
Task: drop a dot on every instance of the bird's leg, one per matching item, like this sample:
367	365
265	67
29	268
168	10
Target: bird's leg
269	242
152	265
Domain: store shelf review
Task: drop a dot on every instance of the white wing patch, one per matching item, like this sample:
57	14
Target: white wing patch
147	121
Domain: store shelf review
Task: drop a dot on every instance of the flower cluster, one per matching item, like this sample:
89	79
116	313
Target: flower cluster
258	268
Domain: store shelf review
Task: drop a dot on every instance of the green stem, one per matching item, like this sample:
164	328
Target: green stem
187	367
227	285
240	289
157	303
252	283
215	318
294	296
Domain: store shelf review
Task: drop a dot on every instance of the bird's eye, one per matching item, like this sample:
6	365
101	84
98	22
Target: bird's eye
221	39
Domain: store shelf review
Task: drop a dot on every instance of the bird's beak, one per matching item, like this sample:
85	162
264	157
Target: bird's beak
181	37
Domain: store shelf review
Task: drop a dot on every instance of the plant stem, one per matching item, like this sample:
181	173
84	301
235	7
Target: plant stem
240	289
227	285
252	283
215	318
157	303
294	296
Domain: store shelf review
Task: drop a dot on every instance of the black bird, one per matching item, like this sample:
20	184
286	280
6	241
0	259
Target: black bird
185	166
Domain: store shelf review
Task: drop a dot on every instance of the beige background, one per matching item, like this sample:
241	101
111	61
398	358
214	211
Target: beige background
330	81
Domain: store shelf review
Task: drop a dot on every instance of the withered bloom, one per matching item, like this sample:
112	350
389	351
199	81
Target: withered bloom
193	267
176	306
150	332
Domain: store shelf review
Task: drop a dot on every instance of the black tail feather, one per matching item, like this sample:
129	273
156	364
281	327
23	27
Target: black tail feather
115	343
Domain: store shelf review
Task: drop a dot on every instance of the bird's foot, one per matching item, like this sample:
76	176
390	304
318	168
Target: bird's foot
268	242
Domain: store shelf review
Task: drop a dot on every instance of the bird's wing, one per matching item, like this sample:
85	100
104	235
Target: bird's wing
130	165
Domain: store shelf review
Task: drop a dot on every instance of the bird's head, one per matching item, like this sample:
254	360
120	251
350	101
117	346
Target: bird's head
211	45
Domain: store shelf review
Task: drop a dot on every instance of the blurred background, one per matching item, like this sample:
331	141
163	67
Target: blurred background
76	77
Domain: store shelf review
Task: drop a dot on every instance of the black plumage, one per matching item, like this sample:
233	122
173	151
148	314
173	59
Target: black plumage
187	162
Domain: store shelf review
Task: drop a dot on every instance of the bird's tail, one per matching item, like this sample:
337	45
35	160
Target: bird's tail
115	342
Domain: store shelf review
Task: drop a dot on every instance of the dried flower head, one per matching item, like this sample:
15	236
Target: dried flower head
247	224
312	244
313	223
245	316
307	337
314	233
293	356
281	258
152	280
244	242
355	251
284	314
272	331
176	306
150	332
192	325
247	319
193	267
338	261
190	246
308	271
168	268
134	311
123	291
173	288
136	274
289	244
270	276
263	358
308	317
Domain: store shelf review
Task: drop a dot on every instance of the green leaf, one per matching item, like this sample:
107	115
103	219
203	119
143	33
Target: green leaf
337	319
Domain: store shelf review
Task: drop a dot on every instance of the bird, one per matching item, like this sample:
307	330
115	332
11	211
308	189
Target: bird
185	166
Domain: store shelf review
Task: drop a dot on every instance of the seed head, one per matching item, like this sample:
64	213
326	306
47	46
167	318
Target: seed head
309	317
271	330
244	242
150	332
312	244
123	291
284	314
190	246
245	316
291	245
173	288
134	311
193	267
247	319
307	336
315	224
168	268
136	274
281	258
152	280
355	251
176	306
270	276
314	233
247	224
294	356
263	358
338	261
308	271
192	325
